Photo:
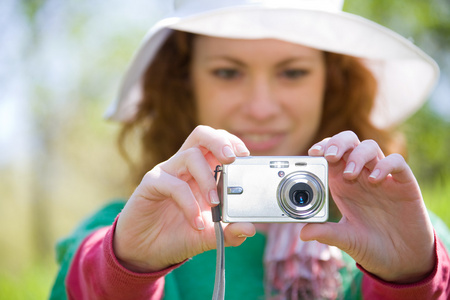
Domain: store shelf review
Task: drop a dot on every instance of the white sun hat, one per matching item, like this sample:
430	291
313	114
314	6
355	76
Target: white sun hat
405	74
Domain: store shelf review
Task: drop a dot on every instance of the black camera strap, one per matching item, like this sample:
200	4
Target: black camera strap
219	283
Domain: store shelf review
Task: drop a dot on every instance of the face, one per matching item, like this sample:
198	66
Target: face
267	92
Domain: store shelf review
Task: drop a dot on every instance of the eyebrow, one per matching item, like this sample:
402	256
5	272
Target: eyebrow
278	64
225	57
293	60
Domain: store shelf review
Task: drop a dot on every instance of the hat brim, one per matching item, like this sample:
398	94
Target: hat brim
405	74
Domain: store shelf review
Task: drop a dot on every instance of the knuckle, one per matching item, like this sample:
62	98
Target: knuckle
181	160
397	157
222	131
200	129
225	135
369	143
191	153
350	134
152	175
352	137
324	141
222	136
345	137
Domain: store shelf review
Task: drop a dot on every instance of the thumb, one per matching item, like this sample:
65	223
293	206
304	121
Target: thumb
325	233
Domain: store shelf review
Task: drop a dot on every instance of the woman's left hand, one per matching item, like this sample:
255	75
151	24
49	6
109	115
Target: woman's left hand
385	226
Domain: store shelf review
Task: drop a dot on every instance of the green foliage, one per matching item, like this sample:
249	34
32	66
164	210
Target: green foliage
428	139
436	197
31	7
428	145
427	23
32	283
409	18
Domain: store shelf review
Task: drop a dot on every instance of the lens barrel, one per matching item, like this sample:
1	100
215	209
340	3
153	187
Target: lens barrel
301	195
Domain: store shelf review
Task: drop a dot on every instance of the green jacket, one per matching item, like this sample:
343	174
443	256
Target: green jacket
244	268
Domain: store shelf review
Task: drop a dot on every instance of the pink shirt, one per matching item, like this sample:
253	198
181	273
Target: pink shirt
435	286
95	273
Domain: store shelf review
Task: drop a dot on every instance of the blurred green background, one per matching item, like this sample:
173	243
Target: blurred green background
60	66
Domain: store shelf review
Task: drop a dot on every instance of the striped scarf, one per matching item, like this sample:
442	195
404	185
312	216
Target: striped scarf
299	270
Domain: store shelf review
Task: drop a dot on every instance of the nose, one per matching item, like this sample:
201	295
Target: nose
262	103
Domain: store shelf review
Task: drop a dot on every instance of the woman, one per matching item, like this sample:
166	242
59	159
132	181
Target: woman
265	81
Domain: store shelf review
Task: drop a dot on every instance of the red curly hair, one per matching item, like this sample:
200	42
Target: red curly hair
167	112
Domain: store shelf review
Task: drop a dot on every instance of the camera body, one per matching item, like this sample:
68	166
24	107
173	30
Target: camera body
274	189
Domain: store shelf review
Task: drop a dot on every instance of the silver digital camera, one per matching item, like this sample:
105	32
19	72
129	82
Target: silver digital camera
274	189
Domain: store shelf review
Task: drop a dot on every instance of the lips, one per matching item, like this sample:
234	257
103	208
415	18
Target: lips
258	138
261	142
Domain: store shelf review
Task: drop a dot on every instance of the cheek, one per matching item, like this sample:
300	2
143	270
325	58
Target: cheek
205	110
315	109
306	107
213	108
202	97
314	102
306	115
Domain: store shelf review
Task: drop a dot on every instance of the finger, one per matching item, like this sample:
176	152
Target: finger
394	165
191	163
223	145
334	148
339	144
204	203
325	233
318	149
236	233
240	149
366	155
158	185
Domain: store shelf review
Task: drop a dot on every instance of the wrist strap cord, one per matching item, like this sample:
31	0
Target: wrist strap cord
219	283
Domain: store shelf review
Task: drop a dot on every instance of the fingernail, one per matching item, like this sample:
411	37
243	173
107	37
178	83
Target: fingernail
228	152
375	173
242	236
214	197
316	147
350	168
242	149
331	151
199	223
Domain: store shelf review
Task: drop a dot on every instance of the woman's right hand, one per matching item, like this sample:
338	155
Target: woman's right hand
168	218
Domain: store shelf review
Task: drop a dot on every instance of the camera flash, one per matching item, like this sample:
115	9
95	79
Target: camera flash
279	164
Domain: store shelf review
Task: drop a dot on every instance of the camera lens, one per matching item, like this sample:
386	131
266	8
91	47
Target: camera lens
301	195
301	198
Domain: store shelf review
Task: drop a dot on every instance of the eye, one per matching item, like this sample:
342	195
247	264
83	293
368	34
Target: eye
226	73
294	73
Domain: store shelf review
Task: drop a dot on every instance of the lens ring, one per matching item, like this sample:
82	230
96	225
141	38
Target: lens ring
301	182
